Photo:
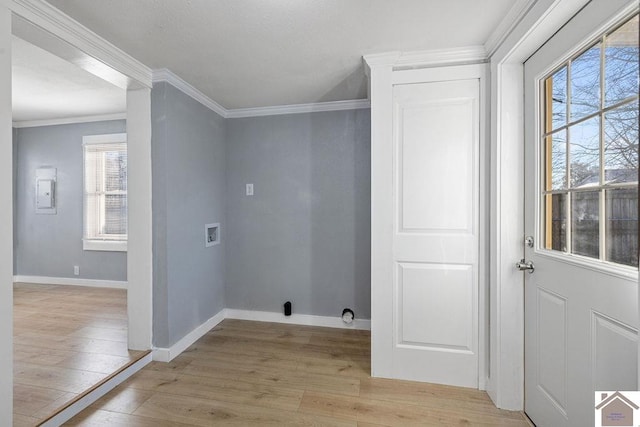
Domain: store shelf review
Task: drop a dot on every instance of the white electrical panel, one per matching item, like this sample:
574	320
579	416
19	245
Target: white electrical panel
46	190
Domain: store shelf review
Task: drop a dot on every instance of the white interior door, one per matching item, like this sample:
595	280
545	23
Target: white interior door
581	208
435	177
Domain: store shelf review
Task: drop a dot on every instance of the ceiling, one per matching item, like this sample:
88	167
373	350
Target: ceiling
256	53
45	87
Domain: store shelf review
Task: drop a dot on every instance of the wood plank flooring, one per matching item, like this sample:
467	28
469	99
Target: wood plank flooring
66	340
267	374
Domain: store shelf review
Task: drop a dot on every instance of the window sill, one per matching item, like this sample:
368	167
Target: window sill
104	245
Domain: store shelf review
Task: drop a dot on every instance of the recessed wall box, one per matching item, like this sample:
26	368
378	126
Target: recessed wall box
211	234
46	191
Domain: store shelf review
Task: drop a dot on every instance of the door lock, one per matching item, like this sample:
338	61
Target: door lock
529	241
525	266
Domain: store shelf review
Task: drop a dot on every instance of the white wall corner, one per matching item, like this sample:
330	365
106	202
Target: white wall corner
166	75
49	18
70	120
511	20
140	237
168	354
6	221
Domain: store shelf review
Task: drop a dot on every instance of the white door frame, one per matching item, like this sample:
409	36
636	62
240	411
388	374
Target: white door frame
63	36
544	17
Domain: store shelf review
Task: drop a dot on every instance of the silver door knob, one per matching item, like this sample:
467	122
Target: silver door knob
525	266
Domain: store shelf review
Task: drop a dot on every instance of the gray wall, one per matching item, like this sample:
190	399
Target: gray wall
305	234
50	245
189	181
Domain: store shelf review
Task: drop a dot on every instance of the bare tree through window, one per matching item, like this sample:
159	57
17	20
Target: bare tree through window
590	143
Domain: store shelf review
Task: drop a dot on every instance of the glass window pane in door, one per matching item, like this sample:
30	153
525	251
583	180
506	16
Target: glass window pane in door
585	223
622	226
584	152
557	89
556	222
622	63
556	158
585	83
621	144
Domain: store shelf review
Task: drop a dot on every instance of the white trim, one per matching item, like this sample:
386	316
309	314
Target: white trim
104	245
47	17
68	281
506	300
427	58
441	57
6	220
109	138
384	59
438	74
168	354
297	319
140	215
161	354
166	75
517	12
356	104
85	401
69	120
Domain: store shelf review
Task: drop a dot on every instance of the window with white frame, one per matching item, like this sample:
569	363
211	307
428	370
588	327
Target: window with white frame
590	130
105	192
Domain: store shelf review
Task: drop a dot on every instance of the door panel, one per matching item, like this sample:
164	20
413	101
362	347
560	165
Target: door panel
552	347
436	305
448	153
435	239
581	311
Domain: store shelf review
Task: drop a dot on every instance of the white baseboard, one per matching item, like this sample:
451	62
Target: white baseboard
79	405
161	354
43	280
297	319
168	354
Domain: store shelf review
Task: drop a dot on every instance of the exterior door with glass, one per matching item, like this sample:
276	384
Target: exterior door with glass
581	212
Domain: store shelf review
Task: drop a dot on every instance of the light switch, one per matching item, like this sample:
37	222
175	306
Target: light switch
249	189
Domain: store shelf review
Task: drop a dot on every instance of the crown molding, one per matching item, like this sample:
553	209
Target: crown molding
69	120
43	15
513	17
166	75
317	107
381	59
427	58
441	57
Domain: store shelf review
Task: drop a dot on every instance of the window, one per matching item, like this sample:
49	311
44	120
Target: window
105	192
590	150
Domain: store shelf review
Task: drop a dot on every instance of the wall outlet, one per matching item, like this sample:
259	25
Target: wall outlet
249	189
76	270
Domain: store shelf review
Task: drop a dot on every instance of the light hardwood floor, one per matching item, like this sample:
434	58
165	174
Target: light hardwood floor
252	373
66	340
